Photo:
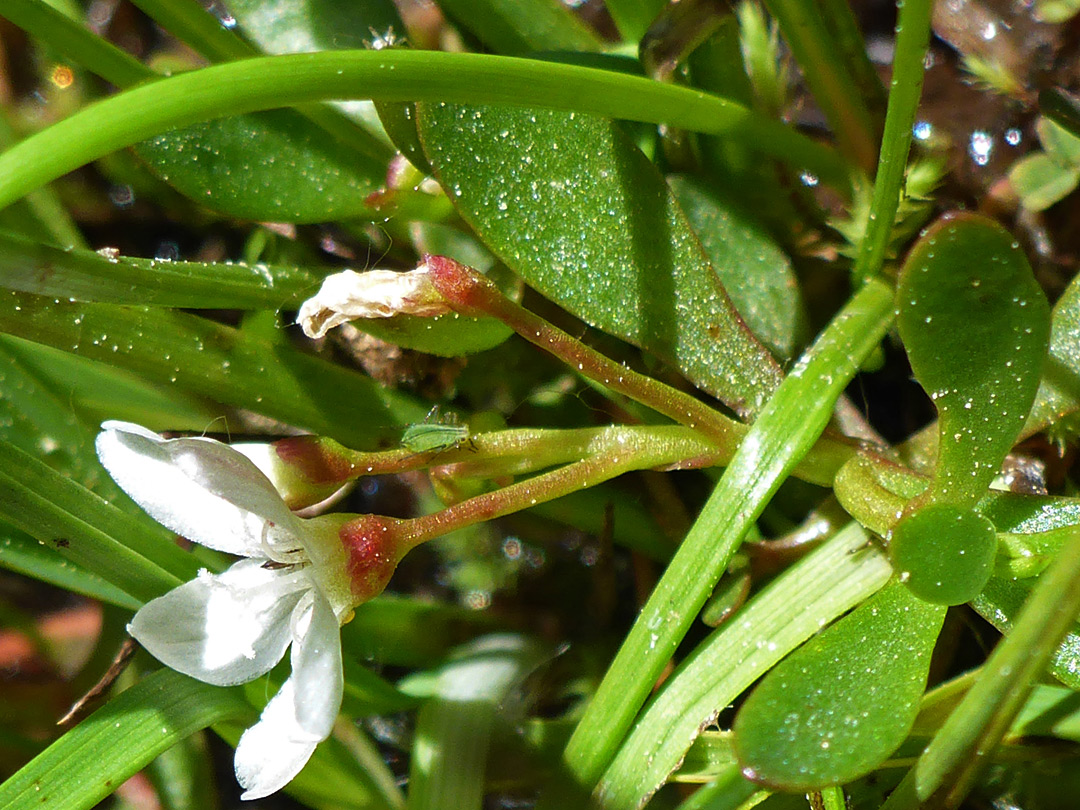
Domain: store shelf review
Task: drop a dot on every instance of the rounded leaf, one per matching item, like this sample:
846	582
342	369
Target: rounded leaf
976	327
834	709
944	553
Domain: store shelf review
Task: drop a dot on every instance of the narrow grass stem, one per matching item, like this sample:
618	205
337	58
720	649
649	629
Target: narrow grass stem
262	83
912	41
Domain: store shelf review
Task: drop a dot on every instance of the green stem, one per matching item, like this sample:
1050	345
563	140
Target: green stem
261	83
191	24
471	293
327	465
614	452
947	769
828	79
518	452
832	798
912	40
194	25
503	452
45	205
786	429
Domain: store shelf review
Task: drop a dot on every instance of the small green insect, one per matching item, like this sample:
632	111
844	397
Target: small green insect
436	434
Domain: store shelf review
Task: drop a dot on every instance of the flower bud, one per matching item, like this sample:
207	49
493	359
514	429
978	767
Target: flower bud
299	468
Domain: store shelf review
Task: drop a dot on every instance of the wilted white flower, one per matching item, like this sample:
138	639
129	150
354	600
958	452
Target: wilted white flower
348	295
291	588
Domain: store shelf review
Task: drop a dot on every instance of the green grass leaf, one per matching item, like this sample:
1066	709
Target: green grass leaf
791	422
22	553
823	585
97	756
97	392
1000	603
86	275
230	365
137	556
267	166
247	85
455	725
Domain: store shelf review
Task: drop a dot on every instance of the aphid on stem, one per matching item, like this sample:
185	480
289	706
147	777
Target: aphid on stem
437	434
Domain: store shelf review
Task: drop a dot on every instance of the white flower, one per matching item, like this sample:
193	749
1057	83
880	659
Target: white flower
233	627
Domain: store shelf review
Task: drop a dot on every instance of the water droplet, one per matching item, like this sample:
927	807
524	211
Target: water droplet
981	146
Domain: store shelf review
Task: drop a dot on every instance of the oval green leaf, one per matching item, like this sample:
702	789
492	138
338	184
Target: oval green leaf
302	26
756	273
976	327
839	705
274	166
1040	181
944	553
567	201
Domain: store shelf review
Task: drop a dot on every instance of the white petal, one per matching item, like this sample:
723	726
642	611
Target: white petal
275	749
226	628
201	489
316	665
